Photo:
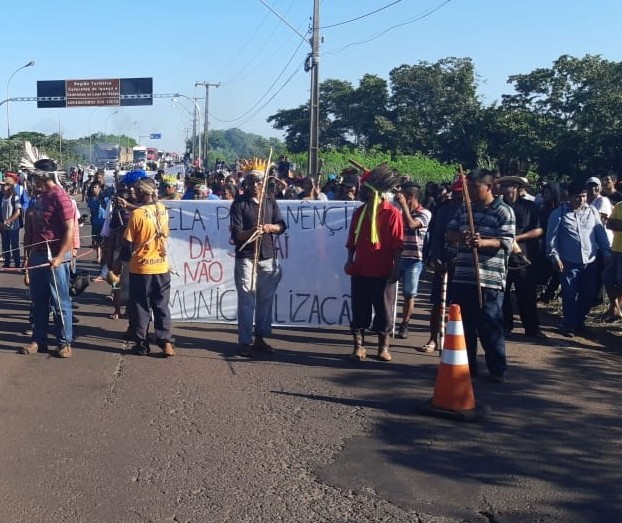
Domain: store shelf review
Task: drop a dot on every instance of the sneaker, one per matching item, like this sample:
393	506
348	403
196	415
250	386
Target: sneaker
245	350
402	331
358	354
27	331
261	345
384	354
168	349
33	347
430	346
141	349
64	351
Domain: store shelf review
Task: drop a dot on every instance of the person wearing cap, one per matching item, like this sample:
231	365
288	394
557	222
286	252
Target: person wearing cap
11	221
494	235
257	302
440	255
375	243
574	235
144	248
416	220
48	240
594	198
603	205
522	261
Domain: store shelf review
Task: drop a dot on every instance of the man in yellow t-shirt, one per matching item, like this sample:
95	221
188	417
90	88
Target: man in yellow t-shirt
612	274
150	280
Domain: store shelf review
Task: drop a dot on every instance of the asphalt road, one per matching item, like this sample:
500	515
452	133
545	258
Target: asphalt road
301	436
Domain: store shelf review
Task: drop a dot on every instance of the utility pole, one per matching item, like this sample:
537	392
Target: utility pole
313	65
207	85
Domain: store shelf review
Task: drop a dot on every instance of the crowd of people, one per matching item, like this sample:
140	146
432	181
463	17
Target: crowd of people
506	250
514	250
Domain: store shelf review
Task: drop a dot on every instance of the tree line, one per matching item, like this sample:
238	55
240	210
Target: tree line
563	121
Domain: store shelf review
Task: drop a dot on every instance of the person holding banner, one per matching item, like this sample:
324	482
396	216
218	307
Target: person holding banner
375	243
256	280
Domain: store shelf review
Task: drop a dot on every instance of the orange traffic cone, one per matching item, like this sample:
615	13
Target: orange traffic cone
453	394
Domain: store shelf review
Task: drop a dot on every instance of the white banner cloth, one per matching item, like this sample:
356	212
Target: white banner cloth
314	291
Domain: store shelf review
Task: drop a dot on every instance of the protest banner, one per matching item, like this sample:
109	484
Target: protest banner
314	291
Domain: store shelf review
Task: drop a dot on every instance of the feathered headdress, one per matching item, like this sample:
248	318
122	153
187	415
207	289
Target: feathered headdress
379	180
31	156
256	166
39	164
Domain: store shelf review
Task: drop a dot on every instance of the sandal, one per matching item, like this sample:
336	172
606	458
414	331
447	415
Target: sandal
430	346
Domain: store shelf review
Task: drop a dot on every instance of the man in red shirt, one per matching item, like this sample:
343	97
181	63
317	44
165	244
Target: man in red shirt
48	243
375	243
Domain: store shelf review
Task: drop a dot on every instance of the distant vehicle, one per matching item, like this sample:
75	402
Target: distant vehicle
139	154
152	154
105	153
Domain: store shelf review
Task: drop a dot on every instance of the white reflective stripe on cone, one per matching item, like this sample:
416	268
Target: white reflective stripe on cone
455	328
455	357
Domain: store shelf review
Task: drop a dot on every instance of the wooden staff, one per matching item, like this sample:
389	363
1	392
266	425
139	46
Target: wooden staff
443	309
260	218
357	165
469	211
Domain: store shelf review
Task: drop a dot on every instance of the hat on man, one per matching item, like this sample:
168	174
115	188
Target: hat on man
575	188
521	181
146	185
134	175
45	164
593	180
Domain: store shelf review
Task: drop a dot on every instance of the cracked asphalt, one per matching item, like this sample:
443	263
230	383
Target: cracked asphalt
299	436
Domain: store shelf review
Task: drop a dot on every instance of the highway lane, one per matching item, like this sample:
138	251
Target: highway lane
303	436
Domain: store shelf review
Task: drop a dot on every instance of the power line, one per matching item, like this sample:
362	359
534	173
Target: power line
406	22
243	115
284	21
244	70
296	71
362	16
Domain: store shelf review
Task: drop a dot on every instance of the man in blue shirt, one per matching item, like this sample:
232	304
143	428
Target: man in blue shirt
574	235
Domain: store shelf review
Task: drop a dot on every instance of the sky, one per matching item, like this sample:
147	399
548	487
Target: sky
257	56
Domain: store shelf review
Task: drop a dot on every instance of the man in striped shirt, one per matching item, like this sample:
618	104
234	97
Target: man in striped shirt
495	225
416	220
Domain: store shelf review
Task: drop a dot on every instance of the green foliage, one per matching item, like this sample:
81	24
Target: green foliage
232	144
417	167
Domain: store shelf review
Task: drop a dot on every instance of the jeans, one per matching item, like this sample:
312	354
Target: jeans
410	274
487	323
578	293
50	288
10	247
258	303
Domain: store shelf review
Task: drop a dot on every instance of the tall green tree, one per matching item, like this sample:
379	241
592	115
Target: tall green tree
435	109
566	119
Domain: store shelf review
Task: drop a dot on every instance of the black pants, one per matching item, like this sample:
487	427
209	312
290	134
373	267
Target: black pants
524	282
375	294
150	292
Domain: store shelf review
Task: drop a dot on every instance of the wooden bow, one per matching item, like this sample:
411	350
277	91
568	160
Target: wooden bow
469	210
